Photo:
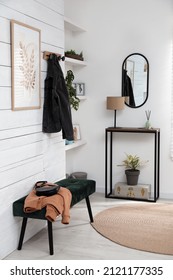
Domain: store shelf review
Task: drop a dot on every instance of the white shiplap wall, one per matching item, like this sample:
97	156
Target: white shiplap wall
26	154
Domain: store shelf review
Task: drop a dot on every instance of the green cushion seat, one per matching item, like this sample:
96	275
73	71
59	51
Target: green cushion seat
79	188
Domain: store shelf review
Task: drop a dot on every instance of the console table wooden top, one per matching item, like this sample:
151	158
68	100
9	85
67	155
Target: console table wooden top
133	129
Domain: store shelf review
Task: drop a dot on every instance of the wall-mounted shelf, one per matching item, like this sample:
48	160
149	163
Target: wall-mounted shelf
74	145
72	42
75	62
70	25
73	27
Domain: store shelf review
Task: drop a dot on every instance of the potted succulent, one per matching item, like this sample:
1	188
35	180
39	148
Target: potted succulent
73	54
73	99
132	165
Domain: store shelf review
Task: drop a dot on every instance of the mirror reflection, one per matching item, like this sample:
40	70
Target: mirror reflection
135	73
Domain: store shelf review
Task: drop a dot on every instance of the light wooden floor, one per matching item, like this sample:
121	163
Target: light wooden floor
79	240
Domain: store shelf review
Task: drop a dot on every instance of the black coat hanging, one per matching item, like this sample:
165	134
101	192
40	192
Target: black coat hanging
56	108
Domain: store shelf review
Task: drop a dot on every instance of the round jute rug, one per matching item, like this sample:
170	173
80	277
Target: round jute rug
143	226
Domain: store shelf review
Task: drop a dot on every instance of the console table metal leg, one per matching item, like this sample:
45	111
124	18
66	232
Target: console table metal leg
111	163
106	164
158	167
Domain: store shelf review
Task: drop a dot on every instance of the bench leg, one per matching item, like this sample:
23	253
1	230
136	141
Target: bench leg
22	233
89	209
50	235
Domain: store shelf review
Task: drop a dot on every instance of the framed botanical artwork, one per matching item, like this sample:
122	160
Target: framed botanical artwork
26	42
76	132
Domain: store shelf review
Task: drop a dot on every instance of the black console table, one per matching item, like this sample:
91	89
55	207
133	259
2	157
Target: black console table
109	159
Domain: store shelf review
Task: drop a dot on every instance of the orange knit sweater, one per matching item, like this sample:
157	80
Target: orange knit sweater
55	205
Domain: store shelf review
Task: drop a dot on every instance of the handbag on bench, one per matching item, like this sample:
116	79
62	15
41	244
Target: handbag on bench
45	188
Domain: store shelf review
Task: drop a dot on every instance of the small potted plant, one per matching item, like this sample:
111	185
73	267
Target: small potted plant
132	165
74	55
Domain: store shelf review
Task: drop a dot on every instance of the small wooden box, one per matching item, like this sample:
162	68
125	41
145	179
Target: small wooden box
139	191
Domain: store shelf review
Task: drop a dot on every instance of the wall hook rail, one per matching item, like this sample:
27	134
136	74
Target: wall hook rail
47	54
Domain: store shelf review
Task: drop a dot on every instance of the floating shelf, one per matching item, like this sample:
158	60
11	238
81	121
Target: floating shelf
75	62
74	145
70	25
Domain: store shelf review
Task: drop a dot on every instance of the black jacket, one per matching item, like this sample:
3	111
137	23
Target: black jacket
56	108
127	88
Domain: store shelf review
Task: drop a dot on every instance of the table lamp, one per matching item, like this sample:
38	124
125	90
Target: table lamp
115	103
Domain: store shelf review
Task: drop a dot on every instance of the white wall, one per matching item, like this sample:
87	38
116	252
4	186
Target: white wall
116	29
26	154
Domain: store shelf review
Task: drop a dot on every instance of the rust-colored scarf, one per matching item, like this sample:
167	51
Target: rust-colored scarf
55	205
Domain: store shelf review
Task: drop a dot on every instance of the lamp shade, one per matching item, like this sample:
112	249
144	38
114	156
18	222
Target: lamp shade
115	103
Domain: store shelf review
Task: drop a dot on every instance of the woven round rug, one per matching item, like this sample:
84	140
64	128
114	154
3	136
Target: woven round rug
143	226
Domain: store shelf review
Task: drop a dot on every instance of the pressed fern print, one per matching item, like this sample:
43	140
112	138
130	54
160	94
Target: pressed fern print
27	67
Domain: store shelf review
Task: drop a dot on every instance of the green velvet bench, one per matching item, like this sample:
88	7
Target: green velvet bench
79	188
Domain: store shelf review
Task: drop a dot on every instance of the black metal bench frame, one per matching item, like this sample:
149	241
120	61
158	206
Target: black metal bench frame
49	226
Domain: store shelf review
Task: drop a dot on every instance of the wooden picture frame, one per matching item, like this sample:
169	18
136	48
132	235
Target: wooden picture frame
26	41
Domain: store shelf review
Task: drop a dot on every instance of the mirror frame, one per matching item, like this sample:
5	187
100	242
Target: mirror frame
147	82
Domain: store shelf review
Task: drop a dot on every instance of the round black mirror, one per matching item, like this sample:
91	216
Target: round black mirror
135	80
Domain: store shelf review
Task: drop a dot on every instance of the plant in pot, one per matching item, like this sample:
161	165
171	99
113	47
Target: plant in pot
73	54
132	165
73	99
